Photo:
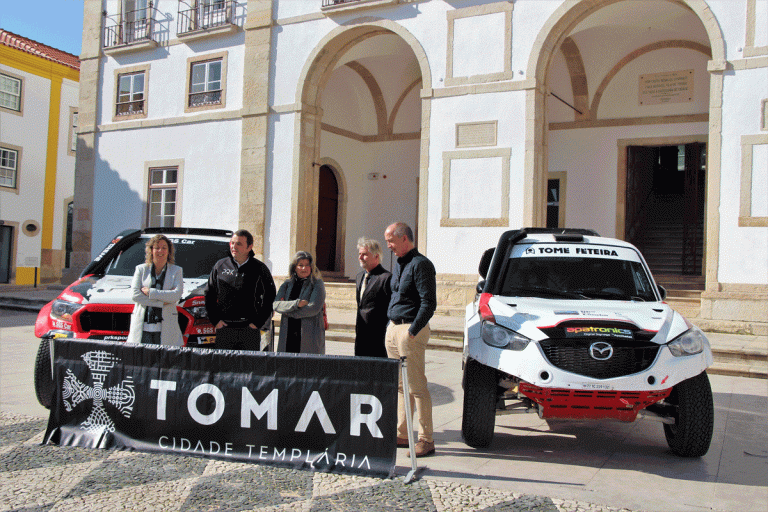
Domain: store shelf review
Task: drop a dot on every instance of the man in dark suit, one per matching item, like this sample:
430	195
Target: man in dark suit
373	293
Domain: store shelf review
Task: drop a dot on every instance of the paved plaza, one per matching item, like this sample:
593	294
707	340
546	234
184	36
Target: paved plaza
532	465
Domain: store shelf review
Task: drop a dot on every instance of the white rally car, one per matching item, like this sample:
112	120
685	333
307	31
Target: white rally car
572	325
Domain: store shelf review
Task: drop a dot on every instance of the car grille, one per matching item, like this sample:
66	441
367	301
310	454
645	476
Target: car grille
105	321
629	356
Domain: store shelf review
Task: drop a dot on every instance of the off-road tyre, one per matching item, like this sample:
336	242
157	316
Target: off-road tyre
43	377
479	415
694	415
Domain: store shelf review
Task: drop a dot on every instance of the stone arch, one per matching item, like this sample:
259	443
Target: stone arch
555	30
314	75
660	45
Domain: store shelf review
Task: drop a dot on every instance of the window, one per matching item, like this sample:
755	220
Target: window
131	93
72	150
212	13
9	161
162	197
136	21
206	82
10	92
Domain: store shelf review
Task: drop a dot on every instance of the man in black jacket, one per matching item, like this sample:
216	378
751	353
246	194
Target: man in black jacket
414	300
239	296
373	293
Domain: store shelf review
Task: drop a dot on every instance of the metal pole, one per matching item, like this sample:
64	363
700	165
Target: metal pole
409	419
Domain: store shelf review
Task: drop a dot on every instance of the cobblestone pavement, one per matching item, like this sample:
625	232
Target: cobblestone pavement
35	477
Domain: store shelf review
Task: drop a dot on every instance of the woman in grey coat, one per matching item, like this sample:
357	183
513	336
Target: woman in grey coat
156	289
300	301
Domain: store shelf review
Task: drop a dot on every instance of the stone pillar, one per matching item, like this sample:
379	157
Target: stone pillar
85	162
253	159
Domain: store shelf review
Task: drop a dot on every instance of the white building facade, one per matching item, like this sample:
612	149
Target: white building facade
38	123
314	122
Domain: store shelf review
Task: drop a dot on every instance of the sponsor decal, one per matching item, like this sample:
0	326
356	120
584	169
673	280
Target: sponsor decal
597	252
324	413
184	241
566	313
610	332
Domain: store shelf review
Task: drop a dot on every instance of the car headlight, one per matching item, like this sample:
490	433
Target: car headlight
690	342
198	312
63	310
501	337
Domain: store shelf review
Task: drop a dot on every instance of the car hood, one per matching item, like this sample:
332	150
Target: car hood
116	290
536	317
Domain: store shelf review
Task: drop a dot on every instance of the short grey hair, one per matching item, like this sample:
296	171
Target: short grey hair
370	244
402	229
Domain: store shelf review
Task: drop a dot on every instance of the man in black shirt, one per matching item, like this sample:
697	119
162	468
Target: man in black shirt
414	300
239	295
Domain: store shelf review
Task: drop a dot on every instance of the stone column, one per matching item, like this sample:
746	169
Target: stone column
85	161
253	159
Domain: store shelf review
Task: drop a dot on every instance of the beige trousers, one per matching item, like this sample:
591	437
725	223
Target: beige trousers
398	344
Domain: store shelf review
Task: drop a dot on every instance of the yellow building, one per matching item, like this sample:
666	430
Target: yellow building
39	88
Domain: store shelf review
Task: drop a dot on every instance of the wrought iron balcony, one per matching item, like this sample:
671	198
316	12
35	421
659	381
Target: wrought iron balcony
329	3
329	6
218	13
134	28
200	99
129	108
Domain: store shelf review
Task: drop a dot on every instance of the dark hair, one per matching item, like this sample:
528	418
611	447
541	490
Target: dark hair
402	229
314	273
247	234
151	244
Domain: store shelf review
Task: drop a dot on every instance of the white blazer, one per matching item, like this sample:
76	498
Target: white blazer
167	298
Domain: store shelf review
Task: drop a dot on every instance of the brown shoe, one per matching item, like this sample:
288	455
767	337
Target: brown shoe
402	442
422	449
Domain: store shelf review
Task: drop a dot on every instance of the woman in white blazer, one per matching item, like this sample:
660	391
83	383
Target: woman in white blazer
157	287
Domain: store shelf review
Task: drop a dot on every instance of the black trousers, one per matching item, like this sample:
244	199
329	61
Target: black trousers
238	338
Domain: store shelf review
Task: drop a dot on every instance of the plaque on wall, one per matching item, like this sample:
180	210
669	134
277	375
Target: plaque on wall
667	87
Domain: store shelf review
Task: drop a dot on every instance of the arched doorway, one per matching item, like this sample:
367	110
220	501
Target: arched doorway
590	100
361	107
327	220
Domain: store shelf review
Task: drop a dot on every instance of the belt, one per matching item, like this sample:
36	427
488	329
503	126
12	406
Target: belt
401	322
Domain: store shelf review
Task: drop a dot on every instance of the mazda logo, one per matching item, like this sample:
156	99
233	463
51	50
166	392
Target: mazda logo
601	351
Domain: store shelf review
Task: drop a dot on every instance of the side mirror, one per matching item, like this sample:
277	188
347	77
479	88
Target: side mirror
480	286
485	262
662	292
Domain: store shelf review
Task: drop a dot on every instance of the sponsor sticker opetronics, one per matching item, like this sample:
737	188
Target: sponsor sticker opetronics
592	331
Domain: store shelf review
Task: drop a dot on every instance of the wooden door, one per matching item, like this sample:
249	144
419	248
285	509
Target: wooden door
327	220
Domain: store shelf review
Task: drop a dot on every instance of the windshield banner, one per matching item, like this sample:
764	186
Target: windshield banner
563	250
324	413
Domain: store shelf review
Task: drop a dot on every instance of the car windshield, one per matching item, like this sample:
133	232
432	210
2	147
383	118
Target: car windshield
196	257
577	278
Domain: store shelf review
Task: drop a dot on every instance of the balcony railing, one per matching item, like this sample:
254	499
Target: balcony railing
135	27
330	3
128	108
205	16
199	99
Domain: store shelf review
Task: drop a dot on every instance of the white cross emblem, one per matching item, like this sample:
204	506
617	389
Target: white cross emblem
121	396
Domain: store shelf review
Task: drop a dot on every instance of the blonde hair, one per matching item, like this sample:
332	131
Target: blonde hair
151	244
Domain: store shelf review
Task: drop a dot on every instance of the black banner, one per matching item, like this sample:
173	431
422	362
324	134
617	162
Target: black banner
324	413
